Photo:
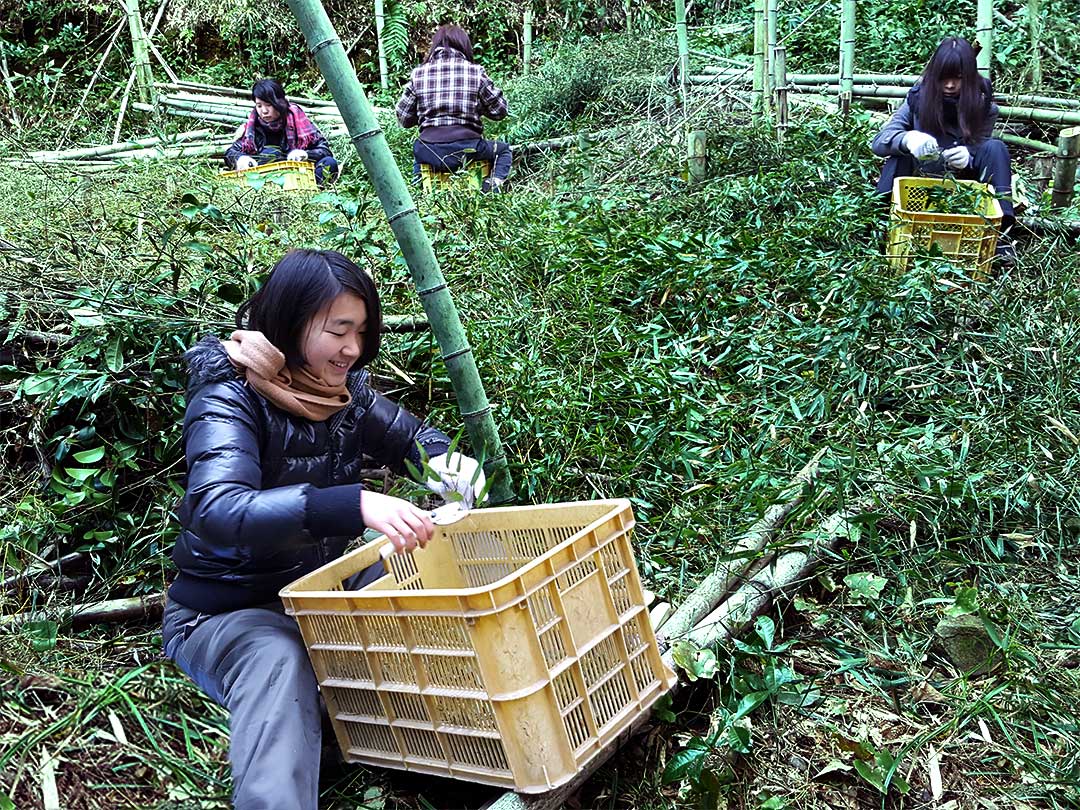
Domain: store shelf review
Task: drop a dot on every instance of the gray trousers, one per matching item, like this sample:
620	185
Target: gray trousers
253	662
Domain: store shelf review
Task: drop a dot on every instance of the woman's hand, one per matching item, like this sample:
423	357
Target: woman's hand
957	157
297	154
245	162
405	525
920	144
457	473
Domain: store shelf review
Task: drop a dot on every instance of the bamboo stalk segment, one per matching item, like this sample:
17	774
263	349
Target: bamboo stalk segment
984	35
380	21
683	43
847	53
527	34
144	74
1065	167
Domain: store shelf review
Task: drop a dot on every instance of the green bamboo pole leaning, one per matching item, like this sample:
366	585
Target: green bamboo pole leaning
526	55
442	314
683	43
847	53
1065	167
380	19
144	74
984	35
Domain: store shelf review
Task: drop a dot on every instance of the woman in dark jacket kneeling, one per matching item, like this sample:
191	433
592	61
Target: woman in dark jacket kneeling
945	124
279	419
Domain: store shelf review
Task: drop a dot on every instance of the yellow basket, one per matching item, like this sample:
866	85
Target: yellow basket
290	175
469	177
510	651
968	240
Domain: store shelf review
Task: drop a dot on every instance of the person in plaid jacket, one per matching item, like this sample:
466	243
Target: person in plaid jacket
279	130
447	96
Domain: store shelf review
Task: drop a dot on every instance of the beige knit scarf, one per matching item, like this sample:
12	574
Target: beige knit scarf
295	391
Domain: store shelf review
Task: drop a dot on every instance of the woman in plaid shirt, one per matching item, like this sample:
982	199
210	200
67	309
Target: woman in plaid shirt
446	97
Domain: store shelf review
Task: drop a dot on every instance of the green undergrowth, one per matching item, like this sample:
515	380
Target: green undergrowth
687	348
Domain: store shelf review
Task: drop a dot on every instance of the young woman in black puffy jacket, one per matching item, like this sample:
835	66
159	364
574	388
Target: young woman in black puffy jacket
279	421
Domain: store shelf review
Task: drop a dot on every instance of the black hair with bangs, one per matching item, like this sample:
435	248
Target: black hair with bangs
298	287
953	59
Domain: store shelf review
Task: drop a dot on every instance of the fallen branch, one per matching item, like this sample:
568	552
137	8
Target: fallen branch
67	559
107	612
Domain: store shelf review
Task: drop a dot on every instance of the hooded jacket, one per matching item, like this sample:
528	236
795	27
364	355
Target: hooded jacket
271	496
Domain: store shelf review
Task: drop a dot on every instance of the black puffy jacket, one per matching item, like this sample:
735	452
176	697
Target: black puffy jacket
271	496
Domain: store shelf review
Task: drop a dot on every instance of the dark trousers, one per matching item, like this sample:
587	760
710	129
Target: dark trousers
990	164
449	157
326	169
254	663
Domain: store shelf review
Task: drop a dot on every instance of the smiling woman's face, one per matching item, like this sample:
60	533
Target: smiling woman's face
334	338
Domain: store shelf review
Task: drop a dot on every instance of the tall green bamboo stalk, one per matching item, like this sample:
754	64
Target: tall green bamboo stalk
1034	31
847	52
384	73
759	57
984	35
683	43
370	143
770	46
1065	167
144	74
526	55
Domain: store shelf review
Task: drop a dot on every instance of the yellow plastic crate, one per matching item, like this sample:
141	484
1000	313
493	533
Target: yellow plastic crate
510	651
967	240
292	175
469	177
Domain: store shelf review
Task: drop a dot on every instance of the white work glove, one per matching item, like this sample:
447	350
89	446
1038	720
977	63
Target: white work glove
920	144
957	157
245	162
457	473
296	154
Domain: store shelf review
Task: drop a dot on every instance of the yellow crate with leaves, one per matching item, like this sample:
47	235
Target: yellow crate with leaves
289	175
510	651
469	177
917	225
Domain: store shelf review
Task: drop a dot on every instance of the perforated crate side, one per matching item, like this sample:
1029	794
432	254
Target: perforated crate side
967	241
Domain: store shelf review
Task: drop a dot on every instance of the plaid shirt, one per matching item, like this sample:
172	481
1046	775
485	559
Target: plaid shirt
450	90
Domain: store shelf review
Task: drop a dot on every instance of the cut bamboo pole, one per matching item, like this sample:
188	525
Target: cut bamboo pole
565	141
382	169
717	584
94	151
380	20
847	53
683	44
1028	143
124	104
526	55
1065	167
984	35
144	74
782	123
778	577
112	610
696	156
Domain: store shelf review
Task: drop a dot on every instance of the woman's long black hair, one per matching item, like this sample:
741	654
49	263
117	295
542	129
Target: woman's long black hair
954	59
451	36
298	287
271	91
